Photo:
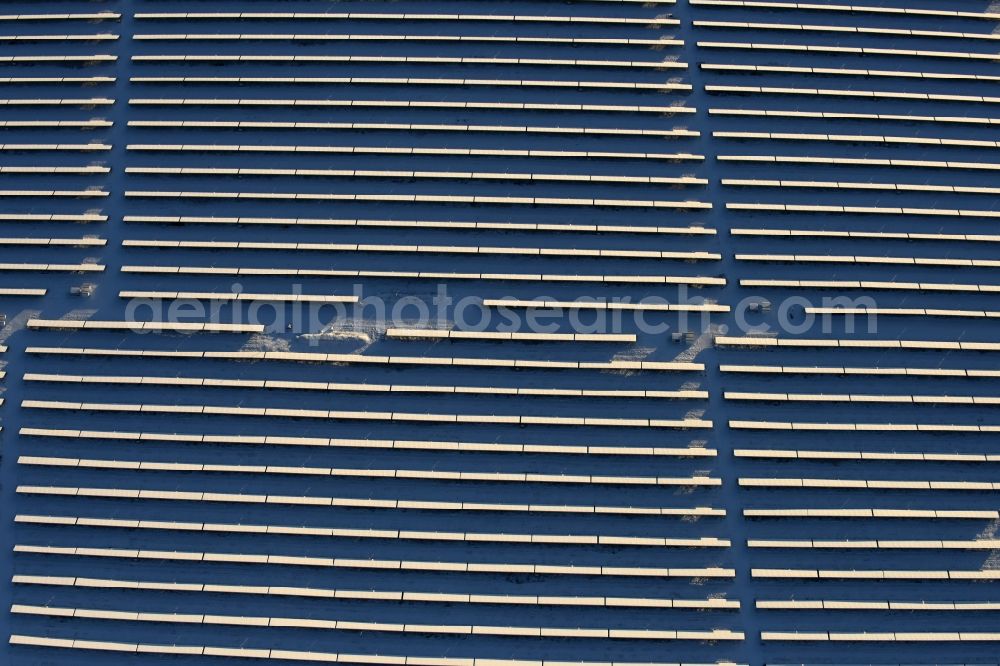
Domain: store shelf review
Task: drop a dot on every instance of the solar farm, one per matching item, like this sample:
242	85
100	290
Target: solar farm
500	332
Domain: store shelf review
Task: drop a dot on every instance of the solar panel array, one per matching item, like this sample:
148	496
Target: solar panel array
500	333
